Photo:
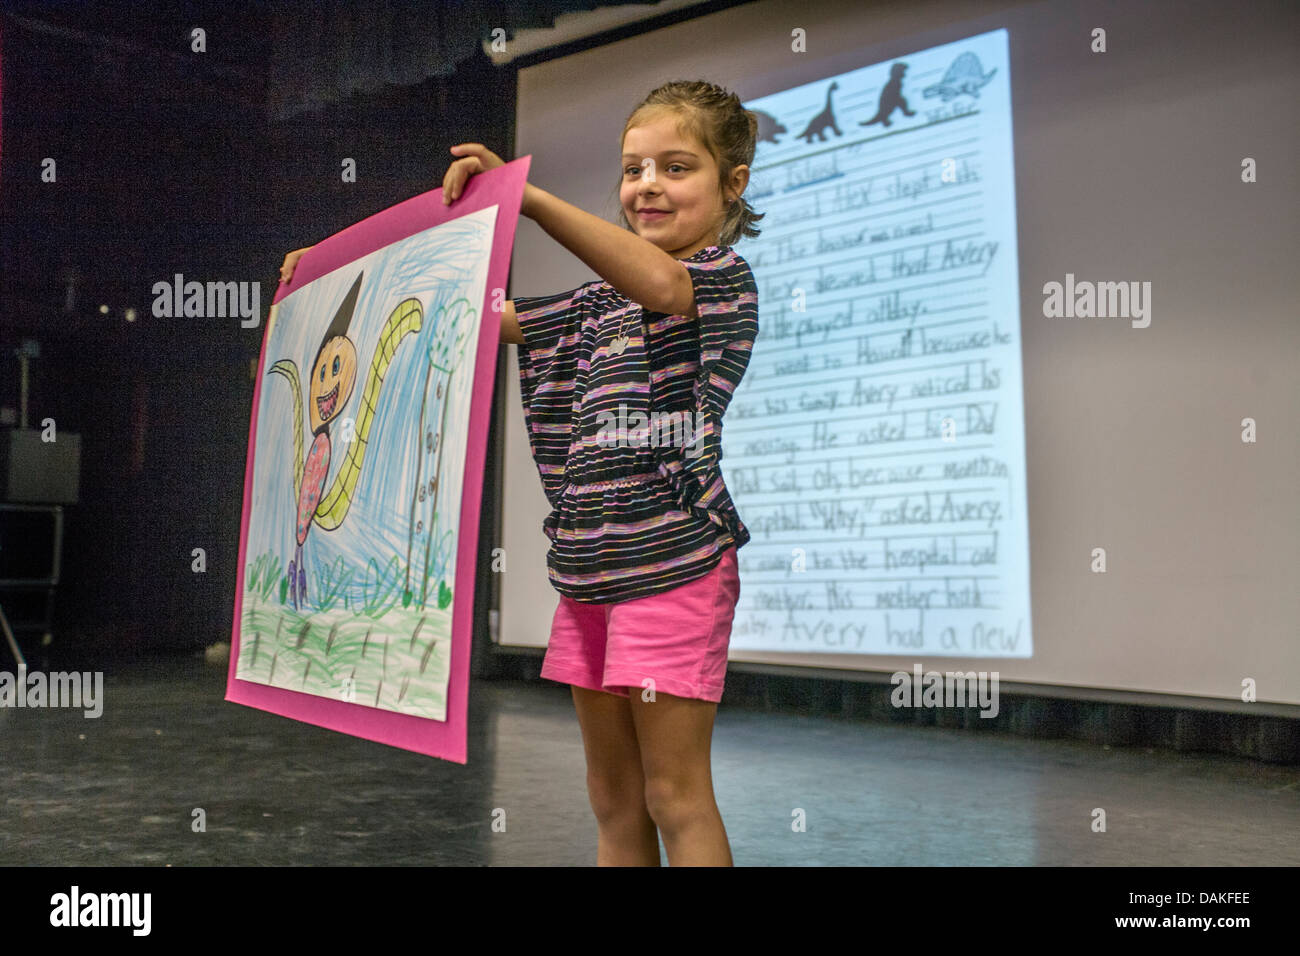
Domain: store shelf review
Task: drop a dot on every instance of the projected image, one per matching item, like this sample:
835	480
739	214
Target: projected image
875	448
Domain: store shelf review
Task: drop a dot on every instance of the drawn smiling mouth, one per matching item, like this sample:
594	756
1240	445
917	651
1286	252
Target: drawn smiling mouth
325	403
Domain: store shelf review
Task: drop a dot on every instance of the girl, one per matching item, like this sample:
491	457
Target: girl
643	532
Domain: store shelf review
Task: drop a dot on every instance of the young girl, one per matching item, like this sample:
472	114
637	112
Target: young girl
643	532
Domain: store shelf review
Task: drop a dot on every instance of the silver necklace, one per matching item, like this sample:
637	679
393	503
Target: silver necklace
620	341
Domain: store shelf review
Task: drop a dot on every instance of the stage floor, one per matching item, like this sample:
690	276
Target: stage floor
121	790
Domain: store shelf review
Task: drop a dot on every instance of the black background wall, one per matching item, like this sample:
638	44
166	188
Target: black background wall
167	162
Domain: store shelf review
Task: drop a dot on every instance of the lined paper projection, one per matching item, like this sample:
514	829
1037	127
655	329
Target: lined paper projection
875	448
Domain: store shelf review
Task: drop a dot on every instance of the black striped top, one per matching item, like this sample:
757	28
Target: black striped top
627	441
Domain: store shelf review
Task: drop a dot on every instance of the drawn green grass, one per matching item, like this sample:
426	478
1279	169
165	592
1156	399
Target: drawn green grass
350	620
264	574
399	662
385	593
373	593
331	581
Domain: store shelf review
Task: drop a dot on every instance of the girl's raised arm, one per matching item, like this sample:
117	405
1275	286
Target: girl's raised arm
290	263
511	334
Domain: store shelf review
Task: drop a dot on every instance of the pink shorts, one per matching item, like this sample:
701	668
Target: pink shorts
678	638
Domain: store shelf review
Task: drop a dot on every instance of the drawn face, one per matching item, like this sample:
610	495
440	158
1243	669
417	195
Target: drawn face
684	184
332	379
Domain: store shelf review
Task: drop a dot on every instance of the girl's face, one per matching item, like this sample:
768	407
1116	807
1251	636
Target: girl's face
682	182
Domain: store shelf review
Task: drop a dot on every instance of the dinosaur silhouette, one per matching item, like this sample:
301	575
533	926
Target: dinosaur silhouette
817	125
891	97
768	127
964	75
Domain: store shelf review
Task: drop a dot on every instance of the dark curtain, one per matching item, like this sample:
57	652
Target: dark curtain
322	53
168	161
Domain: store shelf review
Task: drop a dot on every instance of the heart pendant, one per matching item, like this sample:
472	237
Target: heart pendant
618	345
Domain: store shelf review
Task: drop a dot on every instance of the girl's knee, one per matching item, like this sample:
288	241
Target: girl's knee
616	800
672	801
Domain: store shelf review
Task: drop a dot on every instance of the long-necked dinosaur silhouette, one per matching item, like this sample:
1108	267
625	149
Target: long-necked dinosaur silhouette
817	125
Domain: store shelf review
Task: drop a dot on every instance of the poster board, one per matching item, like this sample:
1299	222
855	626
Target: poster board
365	467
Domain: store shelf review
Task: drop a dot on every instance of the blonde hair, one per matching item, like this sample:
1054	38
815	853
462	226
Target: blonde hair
715	118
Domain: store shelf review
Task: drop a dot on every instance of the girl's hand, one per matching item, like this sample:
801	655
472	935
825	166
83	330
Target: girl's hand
289	264
474	158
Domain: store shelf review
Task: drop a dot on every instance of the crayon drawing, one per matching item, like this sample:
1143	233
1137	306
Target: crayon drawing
349	578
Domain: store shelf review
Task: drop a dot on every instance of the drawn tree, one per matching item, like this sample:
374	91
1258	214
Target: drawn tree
427	558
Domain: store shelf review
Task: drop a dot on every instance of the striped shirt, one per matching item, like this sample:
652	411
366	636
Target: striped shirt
628	440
